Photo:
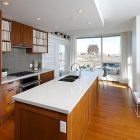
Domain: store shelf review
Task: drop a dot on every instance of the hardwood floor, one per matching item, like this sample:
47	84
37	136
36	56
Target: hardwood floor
7	130
114	118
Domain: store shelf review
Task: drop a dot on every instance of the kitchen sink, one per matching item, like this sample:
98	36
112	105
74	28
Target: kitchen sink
69	78
72	77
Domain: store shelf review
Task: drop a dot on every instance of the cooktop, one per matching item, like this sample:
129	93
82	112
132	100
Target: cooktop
22	73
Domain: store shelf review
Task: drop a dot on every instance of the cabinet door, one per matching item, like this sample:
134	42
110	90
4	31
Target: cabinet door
28	36
7	102
16	34
0	102
21	34
93	98
0	45
34	126
45	77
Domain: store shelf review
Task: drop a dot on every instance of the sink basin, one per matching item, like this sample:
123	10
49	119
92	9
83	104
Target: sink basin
69	78
72	77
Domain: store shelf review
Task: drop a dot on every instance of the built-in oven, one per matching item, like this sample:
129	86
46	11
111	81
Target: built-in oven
28	83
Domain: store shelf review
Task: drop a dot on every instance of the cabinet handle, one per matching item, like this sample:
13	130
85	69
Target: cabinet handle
10	89
11	83
11	103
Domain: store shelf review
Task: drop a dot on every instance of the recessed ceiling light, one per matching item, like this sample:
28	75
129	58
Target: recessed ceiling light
80	11
56	27
5	2
38	18
89	22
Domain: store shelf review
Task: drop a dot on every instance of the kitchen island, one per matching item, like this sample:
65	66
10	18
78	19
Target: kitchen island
57	110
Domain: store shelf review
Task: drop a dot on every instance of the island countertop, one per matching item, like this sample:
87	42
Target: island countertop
57	95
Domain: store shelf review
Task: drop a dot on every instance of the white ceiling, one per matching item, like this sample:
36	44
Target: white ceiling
116	12
61	13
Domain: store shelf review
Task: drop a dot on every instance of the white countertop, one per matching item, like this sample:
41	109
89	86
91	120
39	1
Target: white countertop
57	95
8	79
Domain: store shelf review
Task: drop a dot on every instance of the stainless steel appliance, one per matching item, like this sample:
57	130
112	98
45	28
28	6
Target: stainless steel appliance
28	83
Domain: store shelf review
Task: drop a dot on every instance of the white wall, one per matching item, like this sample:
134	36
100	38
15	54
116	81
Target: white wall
136	53
50	59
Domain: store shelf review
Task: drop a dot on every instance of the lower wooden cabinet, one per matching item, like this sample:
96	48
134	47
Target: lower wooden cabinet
47	76
46	128
35	123
7	105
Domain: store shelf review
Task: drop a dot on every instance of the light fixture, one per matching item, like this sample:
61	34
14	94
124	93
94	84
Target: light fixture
89	22
5	2
38	18
80	11
56	27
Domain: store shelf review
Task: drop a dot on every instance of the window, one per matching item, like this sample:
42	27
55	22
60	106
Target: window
89	52
100	52
64	59
111	57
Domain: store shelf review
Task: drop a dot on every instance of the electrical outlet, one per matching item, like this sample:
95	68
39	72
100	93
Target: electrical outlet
31	65
62	127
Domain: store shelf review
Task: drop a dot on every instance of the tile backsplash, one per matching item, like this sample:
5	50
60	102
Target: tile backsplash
18	60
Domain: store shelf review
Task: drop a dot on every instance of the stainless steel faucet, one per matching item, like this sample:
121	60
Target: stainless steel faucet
79	68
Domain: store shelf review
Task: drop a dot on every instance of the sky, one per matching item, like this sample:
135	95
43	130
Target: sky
111	45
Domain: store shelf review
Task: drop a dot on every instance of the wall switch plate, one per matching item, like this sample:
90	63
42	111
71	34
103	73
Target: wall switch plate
31	65
62	126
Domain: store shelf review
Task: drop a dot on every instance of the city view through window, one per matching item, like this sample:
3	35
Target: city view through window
100	53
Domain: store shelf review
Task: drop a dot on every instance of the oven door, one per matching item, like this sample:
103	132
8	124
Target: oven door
25	87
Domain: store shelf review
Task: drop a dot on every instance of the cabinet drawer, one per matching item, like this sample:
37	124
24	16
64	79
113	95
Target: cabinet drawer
9	93
45	77
10	85
9	109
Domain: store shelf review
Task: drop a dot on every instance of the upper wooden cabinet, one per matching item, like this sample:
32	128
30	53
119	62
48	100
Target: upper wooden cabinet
28	35
21	35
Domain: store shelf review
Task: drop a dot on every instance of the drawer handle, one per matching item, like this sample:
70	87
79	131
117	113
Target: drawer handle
11	103
11	83
10	89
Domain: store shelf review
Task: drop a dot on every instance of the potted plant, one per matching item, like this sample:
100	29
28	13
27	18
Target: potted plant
4	72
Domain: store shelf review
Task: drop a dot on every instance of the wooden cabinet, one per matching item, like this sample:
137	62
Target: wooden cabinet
37	123
47	127
21	35
28	36
93	98
45	77
79	118
0	45
16	34
7	104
